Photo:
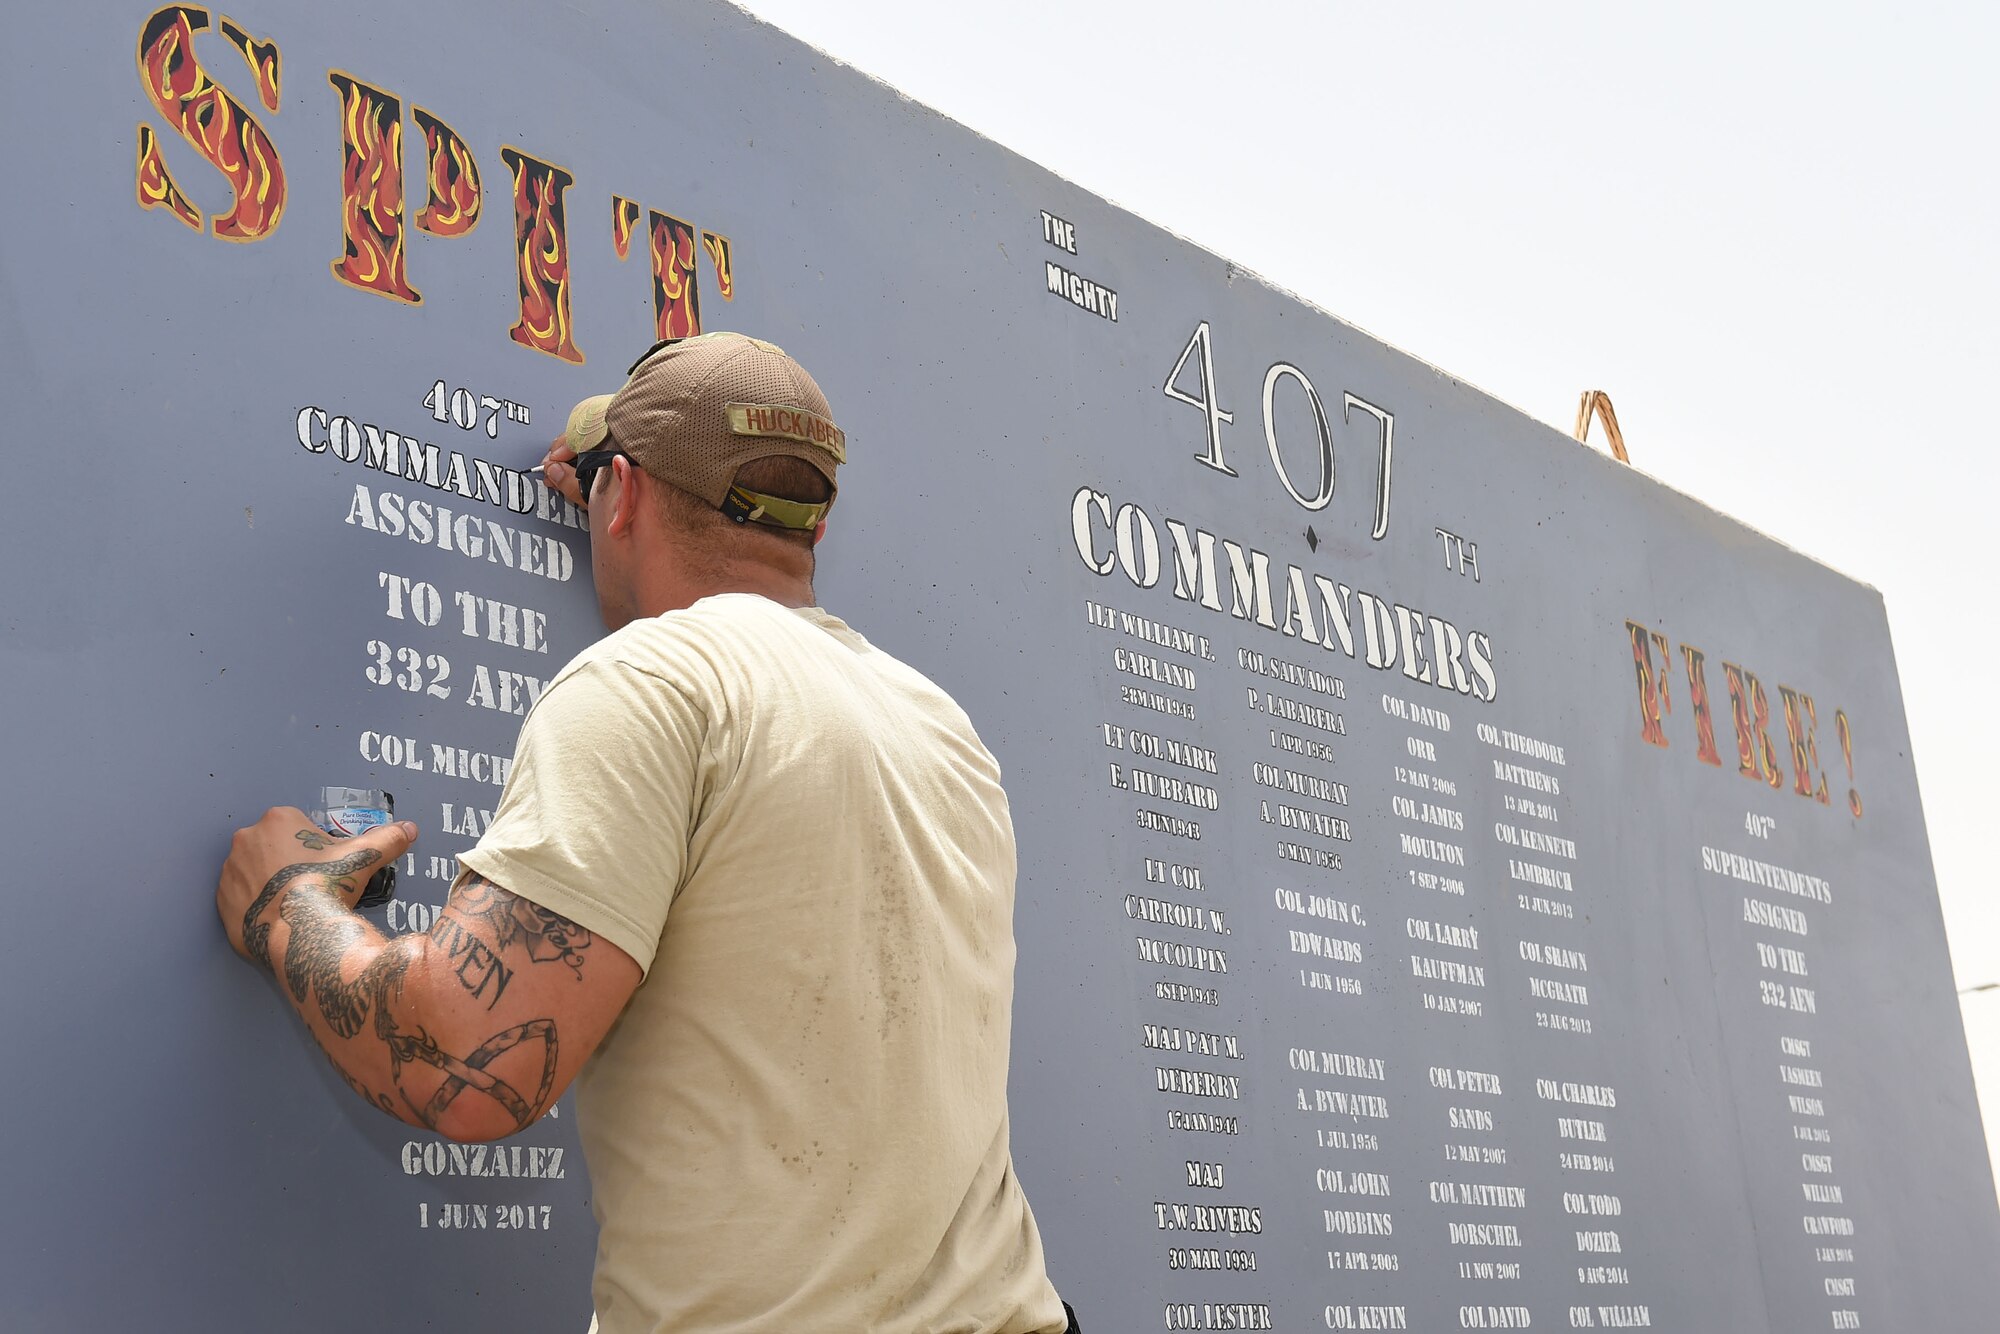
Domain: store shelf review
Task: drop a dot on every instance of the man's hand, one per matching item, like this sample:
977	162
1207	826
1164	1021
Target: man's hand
559	474
285	844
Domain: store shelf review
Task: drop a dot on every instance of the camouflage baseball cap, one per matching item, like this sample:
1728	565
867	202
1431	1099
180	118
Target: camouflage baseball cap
694	410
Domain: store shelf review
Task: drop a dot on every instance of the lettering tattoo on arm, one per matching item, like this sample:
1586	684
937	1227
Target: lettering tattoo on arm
544	936
323	931
477	967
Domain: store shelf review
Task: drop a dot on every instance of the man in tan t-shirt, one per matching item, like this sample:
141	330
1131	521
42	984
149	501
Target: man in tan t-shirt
750	883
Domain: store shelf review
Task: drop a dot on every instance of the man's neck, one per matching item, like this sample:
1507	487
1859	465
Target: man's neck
677	589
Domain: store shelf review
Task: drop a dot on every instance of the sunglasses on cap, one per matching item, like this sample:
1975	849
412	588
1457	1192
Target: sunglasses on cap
592	462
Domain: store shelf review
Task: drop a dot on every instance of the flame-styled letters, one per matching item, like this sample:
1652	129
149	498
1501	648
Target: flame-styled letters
156	185
220	128
1756	756
453	209
676	299
1840	725
717	247
371	190
262	57
1801	720
1704	711
624	221
541	255
1655	699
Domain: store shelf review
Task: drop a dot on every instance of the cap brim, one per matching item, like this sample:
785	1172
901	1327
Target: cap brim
586	429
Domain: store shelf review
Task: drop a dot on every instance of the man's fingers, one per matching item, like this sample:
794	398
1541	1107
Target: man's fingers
391	840
559	471
561	479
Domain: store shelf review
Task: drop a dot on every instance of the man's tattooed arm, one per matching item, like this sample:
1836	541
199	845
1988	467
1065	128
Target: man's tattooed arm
514	922
416	1023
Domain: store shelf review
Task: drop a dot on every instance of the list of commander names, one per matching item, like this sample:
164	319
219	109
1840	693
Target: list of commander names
1326	868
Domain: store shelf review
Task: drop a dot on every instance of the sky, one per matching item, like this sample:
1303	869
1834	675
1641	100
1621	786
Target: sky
1766	229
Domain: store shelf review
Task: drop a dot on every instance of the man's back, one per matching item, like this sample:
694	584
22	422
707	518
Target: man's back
800	1120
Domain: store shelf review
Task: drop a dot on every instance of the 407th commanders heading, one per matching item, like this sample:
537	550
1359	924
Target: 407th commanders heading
1301	605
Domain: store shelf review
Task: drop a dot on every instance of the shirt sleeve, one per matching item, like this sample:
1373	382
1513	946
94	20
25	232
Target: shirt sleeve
596	816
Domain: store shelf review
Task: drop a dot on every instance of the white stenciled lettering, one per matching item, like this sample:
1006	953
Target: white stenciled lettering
1569	993
1300	784
1432	849
1447	970
1359	1222
501	622
1193	1041
1207	1123
1339	1102
1310	822
1197	957
467	820
1081	292
1759	913
411	460
1586	1095
1232	1218
1465	1081
1149	668
466	535
1483	1234
1536	874
1315	1062
1325	947
1316	905
1167	912
1291	673
1441	933
503	691
1521	776
438	1159
1478	1194
1197	1083
1162	823
1766	875
1544	752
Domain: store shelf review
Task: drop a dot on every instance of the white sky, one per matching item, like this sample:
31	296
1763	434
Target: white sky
1766	229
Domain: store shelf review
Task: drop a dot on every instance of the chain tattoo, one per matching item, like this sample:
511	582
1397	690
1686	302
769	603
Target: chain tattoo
323	931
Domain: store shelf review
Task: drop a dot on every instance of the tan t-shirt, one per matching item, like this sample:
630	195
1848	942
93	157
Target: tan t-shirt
800	1122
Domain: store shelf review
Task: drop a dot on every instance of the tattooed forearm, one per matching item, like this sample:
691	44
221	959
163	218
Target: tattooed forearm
324	936
323	931
546	937
257	932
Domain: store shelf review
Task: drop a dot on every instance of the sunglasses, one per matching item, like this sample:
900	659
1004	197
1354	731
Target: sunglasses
592	462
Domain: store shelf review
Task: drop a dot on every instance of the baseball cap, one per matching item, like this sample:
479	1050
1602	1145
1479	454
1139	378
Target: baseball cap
694	410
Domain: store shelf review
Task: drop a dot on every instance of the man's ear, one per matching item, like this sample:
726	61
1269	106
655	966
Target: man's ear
819	532
624	506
